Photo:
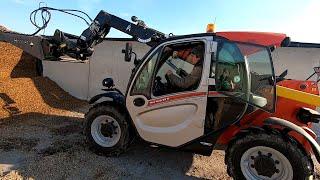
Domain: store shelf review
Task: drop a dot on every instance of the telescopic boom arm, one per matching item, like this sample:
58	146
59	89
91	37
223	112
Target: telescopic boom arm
80	47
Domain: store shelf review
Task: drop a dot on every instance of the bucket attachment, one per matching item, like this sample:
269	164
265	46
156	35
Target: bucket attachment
33	45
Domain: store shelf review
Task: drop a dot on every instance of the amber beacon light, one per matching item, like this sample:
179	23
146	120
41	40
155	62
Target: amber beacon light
210	28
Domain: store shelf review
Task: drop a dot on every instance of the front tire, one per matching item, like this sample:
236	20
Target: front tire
264	155
107	130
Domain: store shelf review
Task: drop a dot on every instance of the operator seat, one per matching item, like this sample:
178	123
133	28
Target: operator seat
81	47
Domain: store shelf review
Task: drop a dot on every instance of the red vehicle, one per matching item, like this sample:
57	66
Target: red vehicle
296	105
254	128
232	101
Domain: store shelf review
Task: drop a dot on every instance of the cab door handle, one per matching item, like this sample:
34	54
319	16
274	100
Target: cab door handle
139	102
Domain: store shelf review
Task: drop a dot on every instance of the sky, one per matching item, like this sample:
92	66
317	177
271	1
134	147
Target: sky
299	19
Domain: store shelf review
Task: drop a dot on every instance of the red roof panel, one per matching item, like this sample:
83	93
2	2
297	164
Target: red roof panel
262	38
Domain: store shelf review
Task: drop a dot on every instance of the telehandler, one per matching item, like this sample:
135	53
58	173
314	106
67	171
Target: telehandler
232	100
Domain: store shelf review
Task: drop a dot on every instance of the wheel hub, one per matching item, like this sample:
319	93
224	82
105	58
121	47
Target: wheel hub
265	165
261	162
105	131
108	129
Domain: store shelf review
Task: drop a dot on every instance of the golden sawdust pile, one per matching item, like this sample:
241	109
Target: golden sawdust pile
22	91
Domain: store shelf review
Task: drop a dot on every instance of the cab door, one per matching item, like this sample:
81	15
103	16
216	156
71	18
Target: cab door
243	80
169	117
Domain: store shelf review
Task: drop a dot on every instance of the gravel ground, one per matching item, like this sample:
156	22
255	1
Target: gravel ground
41	136
53	147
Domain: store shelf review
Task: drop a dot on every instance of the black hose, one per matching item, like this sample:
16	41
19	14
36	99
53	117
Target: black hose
46	17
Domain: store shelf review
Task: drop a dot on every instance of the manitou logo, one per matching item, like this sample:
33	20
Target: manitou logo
128	28
159	101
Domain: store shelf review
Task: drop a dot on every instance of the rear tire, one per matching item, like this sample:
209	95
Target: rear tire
107	130
260	155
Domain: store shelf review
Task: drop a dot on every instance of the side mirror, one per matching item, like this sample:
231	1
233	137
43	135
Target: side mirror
127	52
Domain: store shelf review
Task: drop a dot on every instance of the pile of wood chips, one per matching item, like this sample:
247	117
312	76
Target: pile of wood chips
23	91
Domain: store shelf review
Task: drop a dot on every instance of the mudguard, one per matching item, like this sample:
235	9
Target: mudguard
281	122
108	96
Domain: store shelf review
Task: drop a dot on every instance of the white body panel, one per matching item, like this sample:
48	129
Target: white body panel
173	123
84	80
298	61
71	76
108	61
181	112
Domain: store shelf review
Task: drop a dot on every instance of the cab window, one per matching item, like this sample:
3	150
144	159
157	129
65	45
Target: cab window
256	86
230	69
179	68
262	79
143	80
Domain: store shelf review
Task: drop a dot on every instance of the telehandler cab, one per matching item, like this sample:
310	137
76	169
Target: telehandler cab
194	92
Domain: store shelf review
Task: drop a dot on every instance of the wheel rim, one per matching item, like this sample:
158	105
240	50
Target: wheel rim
262	162
105	131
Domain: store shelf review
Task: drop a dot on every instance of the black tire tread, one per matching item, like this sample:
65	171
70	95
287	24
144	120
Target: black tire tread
299	159
120	116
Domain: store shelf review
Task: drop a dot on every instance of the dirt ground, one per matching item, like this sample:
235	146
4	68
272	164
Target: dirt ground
41	136
53	147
